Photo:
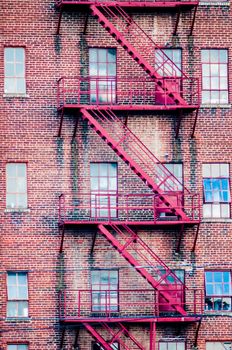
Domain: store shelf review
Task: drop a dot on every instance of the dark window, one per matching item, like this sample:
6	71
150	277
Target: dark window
102	72
218	291
214	76
17	293
96	346
14	58
104	290
103	184
216	190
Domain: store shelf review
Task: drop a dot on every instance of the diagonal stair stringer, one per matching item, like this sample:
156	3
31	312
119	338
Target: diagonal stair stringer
162	84
142	271
132	164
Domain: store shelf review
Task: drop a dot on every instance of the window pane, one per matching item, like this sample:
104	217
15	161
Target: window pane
22	309
12	309
19	54
9	54
15	68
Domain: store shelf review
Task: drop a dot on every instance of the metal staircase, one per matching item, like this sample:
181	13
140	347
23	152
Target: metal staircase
145	261
115	334
138	157
133	39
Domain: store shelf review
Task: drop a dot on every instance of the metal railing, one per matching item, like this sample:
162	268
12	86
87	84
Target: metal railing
111	207
75	304
131	92
99	2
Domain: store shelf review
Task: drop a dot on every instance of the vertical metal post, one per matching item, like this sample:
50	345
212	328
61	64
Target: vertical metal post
152	335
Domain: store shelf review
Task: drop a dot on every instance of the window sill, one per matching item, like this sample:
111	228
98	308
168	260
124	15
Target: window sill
18	319
15	210
16	95
217	313
215	106
222	220
218	3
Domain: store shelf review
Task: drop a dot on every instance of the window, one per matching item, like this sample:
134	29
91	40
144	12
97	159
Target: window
14	58
96	346
218	291
102	71
16	185
216	190
217	345
168	64
177	170
17	293
171	345
164	60
214	76
17	347
104	290
103	182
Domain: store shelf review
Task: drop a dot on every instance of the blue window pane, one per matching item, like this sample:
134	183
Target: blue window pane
224	196
209	276
209	289
226	289
218	276
216	184
225	184
226	276
207	184
208	196
218	289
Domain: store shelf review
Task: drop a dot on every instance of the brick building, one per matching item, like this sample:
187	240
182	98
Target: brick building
115	175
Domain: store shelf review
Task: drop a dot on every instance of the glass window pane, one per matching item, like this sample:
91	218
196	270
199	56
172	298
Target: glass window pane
214	71
215	170
224	97
216	212
9	54
12	309
19	70
12	292
22	292
11	278
102	55
112	55
93	169
206	170
206	70
20	85
209	289
103	169
225	210
224	170
19	54
22	201
10	85
226	276
205	96
214	55
205	56
93	55
209	276
207	210
223	56
93	69
9	70
22	309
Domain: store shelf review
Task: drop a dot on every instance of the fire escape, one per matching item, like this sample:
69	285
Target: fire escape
166	203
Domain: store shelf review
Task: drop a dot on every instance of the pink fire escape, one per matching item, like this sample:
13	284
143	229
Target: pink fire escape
166	202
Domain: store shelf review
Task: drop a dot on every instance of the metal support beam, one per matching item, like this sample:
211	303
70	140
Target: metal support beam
59	22
180	238
75	345
177	23
62	238
75	127
86	24
195	123
196	236
93	243
197	332
152	335
193	20
61	122
180	116
62	339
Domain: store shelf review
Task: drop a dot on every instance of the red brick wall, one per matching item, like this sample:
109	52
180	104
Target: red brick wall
30	239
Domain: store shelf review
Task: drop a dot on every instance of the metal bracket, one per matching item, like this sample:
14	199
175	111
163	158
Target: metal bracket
196	236
193	20
86	24
177	23
59	22
197	332
62	229
62	339
61	122
195	123
93	243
